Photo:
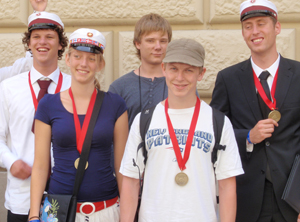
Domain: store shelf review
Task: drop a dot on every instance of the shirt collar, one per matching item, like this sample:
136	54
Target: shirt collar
272	69
35	75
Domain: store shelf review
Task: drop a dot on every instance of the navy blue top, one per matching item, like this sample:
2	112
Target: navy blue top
98	183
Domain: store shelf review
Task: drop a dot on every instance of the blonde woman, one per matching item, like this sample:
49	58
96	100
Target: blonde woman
55	119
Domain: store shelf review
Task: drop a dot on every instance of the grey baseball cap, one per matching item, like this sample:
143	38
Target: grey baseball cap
186	51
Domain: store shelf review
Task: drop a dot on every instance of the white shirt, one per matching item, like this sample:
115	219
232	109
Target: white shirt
272	70
16	139
162	198
21	65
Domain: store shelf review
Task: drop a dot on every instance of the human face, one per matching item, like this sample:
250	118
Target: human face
83	65
260	35
153	47
44	45
182	78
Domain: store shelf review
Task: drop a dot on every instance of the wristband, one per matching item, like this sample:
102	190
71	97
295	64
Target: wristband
248	138
34	221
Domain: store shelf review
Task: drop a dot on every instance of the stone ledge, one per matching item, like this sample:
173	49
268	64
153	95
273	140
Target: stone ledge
222	11
14	13
119	12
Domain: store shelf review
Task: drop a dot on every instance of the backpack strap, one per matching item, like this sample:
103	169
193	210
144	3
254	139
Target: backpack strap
145	119
218	122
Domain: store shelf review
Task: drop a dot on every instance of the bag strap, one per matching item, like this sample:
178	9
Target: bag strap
145	119
218	122
87	143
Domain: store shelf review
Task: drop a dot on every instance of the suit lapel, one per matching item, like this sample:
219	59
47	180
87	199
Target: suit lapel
247	83
283	82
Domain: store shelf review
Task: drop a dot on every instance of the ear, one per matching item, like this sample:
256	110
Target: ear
137	45
59	46
277	28
67	59
201	74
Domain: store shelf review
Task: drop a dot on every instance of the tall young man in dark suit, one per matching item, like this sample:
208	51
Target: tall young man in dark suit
264	109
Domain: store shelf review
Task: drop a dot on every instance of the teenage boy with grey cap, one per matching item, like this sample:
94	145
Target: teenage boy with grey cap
19	96
267	144
179	180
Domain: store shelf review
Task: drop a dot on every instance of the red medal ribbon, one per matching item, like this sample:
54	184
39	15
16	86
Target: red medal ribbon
34	99
81	133
182	161
261	91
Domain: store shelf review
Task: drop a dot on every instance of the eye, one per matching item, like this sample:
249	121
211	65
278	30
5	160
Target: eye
76	56
92	59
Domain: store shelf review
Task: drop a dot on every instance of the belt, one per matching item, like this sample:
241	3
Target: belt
88	208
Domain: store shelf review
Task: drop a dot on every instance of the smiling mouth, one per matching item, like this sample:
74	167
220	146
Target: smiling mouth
257	40
42	50
82	71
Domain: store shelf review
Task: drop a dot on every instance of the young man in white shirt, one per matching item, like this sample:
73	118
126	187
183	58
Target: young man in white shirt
19	96
179	181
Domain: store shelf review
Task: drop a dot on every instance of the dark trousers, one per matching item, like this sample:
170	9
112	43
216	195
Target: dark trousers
270	211
16	217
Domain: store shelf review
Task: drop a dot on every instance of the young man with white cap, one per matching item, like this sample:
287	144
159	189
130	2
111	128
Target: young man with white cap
261	98
19	97
180	179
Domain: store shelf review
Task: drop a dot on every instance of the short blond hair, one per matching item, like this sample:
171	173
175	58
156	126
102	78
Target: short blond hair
150	23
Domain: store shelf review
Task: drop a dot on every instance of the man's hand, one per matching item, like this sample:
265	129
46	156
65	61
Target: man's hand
298	218
262	130
20	169
39	5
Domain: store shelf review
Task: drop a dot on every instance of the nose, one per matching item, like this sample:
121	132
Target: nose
83	62
179	76
157	45
43	40
255	29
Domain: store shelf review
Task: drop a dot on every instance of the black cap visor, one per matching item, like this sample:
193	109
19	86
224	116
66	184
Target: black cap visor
42	26
257	13
87	48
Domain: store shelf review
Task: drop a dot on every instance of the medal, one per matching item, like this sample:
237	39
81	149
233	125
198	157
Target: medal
76	163
275	115
181	179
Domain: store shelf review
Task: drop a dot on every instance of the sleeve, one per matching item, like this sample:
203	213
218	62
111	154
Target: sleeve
42	112
7	158
119	104
228	163
220	101
114	88
21	65
132	164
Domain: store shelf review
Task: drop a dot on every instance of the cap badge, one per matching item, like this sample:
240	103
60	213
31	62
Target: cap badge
89	34
38	14
253	1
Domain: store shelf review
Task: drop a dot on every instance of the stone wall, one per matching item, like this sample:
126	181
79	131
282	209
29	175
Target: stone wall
214	23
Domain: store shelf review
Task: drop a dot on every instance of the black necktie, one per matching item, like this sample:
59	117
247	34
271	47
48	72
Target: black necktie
265	110
44	84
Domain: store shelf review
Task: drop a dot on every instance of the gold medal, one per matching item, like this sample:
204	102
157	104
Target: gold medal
181	179
77	162
275	115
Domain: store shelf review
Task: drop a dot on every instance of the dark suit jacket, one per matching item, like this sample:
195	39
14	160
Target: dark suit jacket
235	95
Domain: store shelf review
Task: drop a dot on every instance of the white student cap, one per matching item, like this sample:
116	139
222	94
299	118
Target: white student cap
88	40
256	8
44	20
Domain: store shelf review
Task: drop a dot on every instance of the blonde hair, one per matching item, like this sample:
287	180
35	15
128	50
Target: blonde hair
99	59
